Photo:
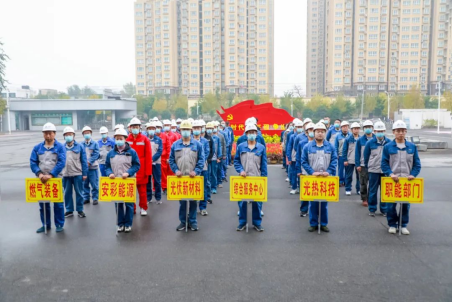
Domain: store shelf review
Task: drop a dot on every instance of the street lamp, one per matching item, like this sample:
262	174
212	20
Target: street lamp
388	105
438	109
363	100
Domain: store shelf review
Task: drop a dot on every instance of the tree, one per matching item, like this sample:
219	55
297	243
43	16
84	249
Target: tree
179	101
3	59
160	105
2	106
446	103
165	115
430	103
152	113
129	89
94	97
74	91
144	103
396	103
209	104
180	113
414	99
87	91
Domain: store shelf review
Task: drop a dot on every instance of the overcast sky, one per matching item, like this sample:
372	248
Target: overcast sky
54	44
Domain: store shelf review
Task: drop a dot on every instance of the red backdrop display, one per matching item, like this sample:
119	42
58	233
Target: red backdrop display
271	120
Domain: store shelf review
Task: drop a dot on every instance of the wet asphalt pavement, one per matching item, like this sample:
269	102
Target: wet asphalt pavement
357	261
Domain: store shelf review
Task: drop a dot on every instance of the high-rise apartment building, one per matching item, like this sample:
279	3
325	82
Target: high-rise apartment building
198	46
384	45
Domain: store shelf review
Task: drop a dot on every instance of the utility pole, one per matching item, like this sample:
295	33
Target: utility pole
363	101
388	105
292	107
7	107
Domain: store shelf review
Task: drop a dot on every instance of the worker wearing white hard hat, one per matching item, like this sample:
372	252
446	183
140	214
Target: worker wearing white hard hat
400	159
333	131
156	179
187	159
122	162
319	158
47	161
360	160
251	160
166	145
74	173
91	184
291	154
220	158
309	136
178	125
141	144
196	131
339	140
105	145
373	157
174	129
348	155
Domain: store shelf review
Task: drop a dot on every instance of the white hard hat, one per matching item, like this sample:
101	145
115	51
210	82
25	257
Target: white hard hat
152	124
250	127
216	123
86	128
197	123
118	126
344	123
186	124
307	120
355	125
155	119
49	127
190	120
68	130
310	125
298	123
173	123
166	122
135	121
320	126
399	124
158	124
368	123
379	126
179	120
121	131
103	130
295	120
203	123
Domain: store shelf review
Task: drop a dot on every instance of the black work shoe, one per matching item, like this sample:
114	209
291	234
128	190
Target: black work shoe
210	201
325	229
82	214
95	202
312	229
193	227
303	214
86	202
181	227
241	227
372	214
258	228
68	214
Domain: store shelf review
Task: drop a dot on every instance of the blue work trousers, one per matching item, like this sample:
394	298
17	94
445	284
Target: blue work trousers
373	187
156	182
192	212
75	182
213	174
314	211
256	213
102	169
93	180
58	211
341	169
349	174
125	217
204	203
393	216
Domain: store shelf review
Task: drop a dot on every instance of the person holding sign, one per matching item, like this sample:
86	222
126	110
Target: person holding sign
74	173
196	131
349	160
47	161
187	158
310	137
360	160
156	147
400	159
123	162
251	160
319	158
92	151
142	146
373	157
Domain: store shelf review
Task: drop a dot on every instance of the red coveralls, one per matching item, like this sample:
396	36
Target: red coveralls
166	148
142	146
173	137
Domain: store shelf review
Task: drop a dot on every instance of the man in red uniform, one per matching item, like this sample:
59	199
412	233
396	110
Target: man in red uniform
166	147
174	129
141	144
172	137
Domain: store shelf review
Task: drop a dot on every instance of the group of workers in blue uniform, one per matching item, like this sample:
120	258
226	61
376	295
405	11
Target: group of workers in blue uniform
204	150
323	150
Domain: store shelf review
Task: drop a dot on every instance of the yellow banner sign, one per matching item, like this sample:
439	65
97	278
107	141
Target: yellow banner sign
318	188
248	188
402	191
117	189
36	191
185	188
